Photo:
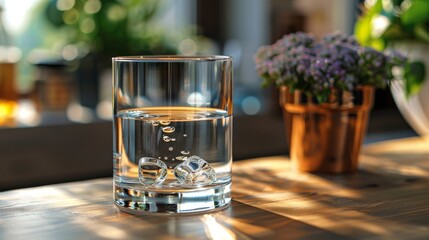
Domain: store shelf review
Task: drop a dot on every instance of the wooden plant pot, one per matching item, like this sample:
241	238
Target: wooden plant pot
326	137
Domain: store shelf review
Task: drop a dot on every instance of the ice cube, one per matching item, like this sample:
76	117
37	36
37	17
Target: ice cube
194	171
152	171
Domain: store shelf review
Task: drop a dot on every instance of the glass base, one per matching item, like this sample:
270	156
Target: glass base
166	201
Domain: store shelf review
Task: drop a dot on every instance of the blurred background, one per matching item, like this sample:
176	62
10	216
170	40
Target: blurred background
55	74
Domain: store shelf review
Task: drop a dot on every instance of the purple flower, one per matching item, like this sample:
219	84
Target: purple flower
338	61
338	37
394	57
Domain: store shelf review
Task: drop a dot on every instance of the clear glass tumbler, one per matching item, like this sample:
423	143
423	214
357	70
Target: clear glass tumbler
172	148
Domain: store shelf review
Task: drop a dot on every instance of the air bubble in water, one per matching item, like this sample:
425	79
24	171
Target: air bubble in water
173	139
152	171
166	138
165	158
170	149
181	158
165	123
184	152
168	129
194	171
185	135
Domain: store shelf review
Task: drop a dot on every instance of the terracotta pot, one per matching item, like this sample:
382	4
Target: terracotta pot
326	137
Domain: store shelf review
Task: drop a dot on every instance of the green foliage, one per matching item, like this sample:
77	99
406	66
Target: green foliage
363	27
416	13
112	27
388	21
414	73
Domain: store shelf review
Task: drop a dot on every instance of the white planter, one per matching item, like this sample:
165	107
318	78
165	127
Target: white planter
416	108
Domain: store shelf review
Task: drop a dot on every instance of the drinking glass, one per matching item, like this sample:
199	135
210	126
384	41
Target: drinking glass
172	148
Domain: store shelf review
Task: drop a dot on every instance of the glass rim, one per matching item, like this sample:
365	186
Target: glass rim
171	58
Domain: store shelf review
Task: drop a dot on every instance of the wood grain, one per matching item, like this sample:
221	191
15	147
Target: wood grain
387	199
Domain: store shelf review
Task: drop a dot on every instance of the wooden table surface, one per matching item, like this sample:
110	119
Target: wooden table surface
387	199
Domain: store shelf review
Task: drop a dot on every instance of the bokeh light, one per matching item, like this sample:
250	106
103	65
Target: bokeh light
71	16
64	5
87	25
92	6
251	105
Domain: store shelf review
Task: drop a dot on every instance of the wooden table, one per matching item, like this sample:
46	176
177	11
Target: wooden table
387	199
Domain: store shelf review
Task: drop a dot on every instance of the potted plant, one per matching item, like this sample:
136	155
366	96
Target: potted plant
327	92
403	25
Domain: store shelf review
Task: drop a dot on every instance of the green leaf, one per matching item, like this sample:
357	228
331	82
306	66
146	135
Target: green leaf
394	31
397	2
421	32
414	74
416	13
266	82
363	26
376	8
378	44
